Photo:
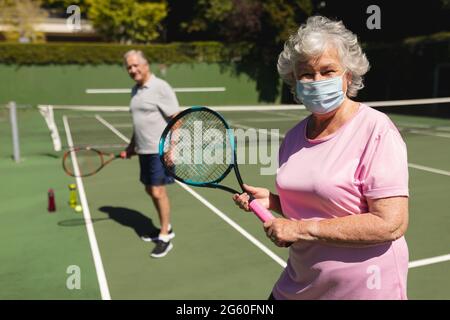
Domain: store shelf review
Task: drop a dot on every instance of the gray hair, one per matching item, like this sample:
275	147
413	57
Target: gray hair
138	53
312	39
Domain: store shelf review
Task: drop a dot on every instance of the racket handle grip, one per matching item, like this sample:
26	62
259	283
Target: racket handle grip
262	213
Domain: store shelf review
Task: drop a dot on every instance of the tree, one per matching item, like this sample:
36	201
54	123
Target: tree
208	14
59	7
245	20
21	18
285	16
63	4
127	21
265	25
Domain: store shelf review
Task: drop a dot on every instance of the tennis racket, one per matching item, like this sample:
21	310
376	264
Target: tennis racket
89	161
198	148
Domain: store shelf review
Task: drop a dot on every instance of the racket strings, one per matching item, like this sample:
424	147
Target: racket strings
88	162
198	147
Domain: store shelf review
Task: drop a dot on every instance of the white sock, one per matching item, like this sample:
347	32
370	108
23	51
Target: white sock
164	237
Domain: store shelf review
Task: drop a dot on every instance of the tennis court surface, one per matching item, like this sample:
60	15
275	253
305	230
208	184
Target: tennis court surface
219	251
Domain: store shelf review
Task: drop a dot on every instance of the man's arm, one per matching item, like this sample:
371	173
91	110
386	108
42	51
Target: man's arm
129	151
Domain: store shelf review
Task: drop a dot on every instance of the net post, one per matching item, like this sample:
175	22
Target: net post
15	130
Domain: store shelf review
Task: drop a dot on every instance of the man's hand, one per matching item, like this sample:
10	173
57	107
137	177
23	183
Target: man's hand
128	152
168	158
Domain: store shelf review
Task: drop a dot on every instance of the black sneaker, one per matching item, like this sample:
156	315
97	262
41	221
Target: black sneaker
148	238
161	249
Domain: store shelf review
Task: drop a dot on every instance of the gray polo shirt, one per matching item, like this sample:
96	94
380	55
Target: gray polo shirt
151	106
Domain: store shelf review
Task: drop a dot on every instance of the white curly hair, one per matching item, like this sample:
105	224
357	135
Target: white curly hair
312	39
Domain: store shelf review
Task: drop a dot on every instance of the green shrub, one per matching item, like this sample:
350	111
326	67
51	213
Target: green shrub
99	53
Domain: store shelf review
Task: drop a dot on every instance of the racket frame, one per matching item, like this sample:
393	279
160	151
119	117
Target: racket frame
232	166
101	154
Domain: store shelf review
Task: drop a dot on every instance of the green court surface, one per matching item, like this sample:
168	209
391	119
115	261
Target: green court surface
219	251
57	84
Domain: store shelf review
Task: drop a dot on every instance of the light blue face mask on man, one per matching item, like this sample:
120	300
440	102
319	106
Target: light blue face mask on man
321	96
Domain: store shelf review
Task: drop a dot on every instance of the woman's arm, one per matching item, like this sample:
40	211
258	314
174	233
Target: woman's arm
387	220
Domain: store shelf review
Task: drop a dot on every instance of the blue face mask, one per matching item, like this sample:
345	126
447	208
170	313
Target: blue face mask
321	96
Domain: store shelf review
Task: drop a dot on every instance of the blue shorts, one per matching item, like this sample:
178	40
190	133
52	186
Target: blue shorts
152	171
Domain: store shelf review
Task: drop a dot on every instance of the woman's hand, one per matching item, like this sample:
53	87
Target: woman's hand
283	232
261	195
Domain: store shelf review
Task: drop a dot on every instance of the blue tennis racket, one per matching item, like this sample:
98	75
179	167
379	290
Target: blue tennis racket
198	148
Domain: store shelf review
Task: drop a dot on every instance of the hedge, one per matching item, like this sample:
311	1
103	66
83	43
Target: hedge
189	52
105	53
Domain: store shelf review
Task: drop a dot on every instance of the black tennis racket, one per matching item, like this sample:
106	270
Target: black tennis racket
198	148
86	161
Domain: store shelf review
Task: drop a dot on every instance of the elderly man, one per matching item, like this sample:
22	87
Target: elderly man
153	103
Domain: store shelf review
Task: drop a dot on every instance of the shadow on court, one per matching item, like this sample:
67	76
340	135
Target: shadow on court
77	222
141	224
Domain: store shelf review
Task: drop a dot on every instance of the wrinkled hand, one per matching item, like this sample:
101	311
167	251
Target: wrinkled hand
283	232
169	158
261	195
127	153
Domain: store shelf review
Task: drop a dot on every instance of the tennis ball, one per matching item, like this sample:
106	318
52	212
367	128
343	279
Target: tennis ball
78	208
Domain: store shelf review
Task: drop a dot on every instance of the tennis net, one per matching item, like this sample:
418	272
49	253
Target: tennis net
111	126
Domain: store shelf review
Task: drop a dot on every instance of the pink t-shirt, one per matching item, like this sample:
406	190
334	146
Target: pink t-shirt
333	177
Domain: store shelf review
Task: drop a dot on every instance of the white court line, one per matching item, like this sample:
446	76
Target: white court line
236	226
413	125
200	89
104	146
442	128
417	102
423	132
110	127
96	91
427	133
425	262
222	215
120	90
428	169
261	120
217	108
420	126
292	115
123	125
237	125
104	290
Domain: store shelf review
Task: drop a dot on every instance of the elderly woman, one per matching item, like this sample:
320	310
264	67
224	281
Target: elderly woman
342	180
